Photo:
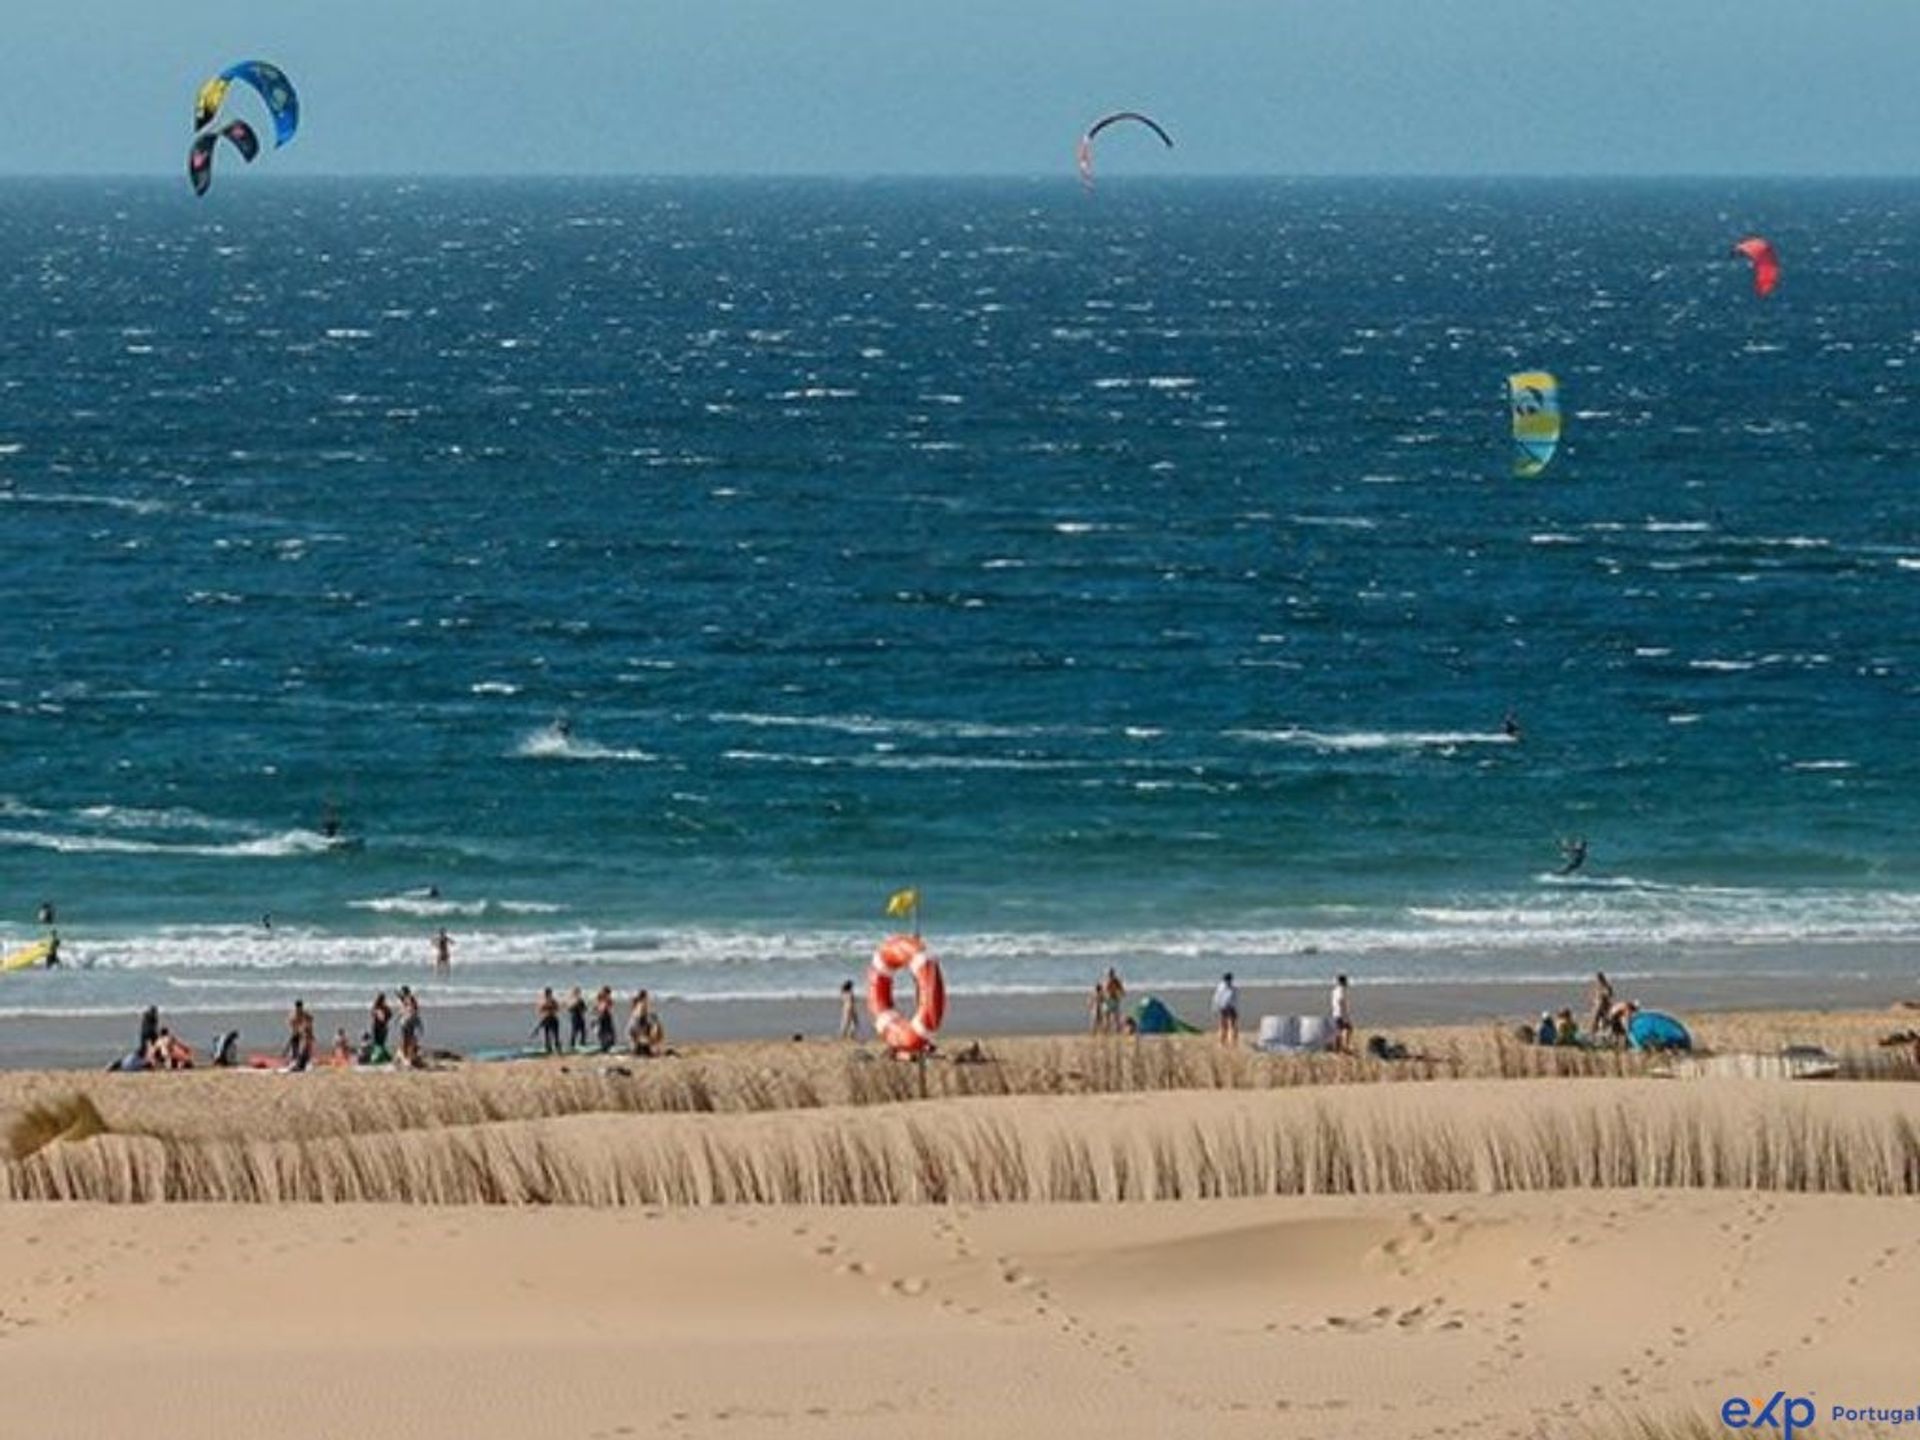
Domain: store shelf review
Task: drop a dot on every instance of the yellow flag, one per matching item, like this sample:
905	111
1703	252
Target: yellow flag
903	902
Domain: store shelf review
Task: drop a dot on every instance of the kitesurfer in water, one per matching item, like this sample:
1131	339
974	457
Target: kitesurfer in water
1575	851
330	821
1510	726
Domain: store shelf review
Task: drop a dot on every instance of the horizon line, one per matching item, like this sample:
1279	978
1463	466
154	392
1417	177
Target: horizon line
1065	177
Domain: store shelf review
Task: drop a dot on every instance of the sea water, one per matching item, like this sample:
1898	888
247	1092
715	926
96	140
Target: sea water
658	575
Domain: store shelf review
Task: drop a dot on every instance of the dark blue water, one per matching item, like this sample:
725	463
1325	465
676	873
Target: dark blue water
1139	574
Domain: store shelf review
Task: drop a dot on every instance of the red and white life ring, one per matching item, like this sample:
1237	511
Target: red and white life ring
906	1035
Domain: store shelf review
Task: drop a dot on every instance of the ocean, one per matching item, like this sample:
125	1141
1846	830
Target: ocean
656	575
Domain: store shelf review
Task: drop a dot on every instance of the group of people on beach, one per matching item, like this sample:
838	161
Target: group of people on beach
375	1047
1610	1019
1105	1007
646	1031
158	1048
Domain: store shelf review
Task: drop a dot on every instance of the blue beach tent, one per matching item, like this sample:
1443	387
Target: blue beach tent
1650	1030
1151	1017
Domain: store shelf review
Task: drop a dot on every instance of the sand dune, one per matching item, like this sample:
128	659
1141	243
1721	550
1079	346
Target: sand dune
1515	1315
1079	1239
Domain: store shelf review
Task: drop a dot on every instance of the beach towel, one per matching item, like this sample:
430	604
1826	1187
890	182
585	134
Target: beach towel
1294	1034
1152	1017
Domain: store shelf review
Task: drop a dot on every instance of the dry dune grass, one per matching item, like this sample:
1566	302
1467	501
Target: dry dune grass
754	1079
1359	1140
69	1118
772	1078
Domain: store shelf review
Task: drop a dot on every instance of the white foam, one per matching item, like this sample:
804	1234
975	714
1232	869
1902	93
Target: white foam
415	903
885	761
106	502
1374	739
550	744
132	817
286	844
858	723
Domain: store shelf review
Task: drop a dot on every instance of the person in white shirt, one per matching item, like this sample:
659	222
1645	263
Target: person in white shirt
1342	1013
1226	1010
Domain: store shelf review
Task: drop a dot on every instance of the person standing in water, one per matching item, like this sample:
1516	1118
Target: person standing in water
442	951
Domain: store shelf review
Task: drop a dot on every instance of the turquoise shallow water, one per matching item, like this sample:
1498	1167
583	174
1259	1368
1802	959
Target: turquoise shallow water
1138	573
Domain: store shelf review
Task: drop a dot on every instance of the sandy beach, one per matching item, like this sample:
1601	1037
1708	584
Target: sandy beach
1075	1237
1508	1315
1748	979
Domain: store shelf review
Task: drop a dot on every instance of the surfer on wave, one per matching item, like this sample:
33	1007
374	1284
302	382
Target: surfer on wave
1575	852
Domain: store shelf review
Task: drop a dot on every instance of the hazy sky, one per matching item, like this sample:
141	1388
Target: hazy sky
985	86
